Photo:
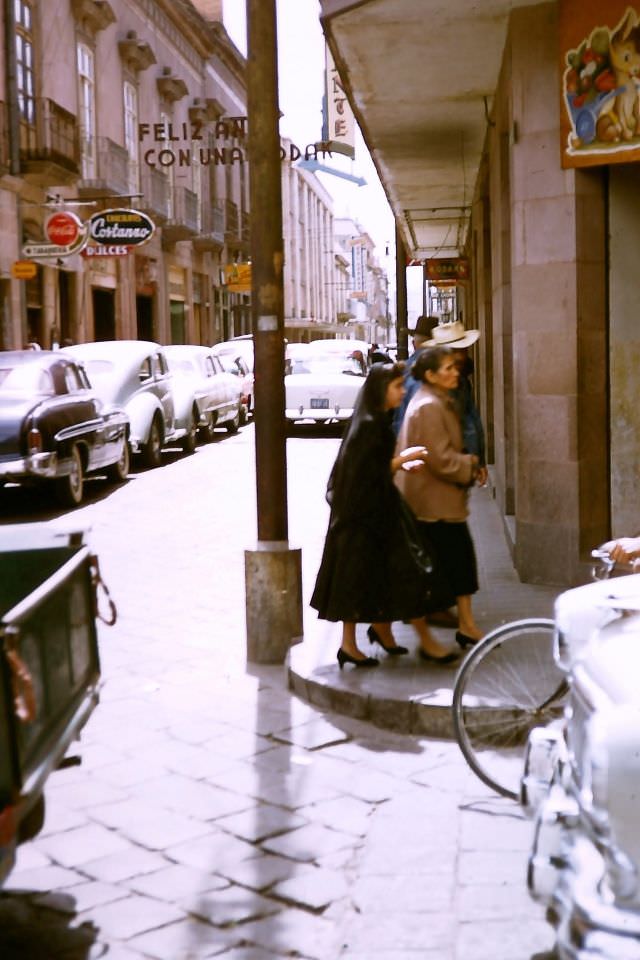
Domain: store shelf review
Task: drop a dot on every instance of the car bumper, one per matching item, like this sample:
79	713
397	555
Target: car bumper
590	926
40	465
567	872
319	415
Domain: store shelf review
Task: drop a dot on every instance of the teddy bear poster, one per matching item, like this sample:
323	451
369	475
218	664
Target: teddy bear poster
600	77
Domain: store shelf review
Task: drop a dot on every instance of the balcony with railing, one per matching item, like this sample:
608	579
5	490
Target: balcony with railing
155	194
182	223
112	171
232	222
49	145
211	235
245	233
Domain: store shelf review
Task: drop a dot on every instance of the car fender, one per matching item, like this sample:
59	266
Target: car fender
141	410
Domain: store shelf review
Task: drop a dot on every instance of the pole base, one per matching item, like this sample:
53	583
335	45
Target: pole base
273	590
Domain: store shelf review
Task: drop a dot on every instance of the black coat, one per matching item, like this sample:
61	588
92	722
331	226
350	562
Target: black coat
373	568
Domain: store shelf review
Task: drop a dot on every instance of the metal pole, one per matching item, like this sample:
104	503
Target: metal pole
401	297
425	310
272	571
266	267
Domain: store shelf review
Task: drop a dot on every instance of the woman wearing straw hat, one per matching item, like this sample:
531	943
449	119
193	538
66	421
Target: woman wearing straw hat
455	336
438	494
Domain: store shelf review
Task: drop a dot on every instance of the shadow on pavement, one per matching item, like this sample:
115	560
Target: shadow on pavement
31	931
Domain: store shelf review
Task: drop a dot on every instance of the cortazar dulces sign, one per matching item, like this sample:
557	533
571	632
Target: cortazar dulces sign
128	227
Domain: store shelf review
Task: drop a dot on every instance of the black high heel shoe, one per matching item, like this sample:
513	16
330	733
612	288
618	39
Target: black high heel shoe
464	641
344	657
374	637
447	658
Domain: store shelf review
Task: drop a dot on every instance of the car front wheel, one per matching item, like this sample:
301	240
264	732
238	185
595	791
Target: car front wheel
208	432
152	449
189	440
233	425
118	472
69	488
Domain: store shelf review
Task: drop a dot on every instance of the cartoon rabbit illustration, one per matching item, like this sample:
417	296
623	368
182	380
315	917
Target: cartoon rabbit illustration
620	119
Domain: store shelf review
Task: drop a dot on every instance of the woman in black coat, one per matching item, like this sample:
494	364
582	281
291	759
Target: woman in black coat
373	569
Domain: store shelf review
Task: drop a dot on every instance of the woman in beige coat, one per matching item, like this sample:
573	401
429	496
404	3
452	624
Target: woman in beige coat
438	493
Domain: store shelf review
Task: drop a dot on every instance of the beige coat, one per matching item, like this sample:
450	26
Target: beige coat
438	491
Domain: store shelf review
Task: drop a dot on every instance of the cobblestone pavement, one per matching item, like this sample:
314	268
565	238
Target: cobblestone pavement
214	813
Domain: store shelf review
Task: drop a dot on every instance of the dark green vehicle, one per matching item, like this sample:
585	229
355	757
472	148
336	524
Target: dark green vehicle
49	667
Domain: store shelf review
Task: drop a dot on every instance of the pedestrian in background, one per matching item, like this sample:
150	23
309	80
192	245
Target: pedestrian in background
421	334
373	569
438	494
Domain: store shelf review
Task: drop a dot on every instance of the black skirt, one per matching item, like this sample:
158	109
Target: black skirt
454	556
373	574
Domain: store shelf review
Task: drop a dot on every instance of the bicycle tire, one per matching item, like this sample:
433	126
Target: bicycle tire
508	684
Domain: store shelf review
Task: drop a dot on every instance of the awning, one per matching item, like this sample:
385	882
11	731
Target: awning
420	76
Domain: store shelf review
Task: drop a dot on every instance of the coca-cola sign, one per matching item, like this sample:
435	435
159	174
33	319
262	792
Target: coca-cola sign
121	227
62	228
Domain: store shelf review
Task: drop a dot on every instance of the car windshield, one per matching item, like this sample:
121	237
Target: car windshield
25	379
326	365
103	377
183	366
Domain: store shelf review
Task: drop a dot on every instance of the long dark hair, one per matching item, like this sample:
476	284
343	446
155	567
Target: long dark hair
371	399
369	407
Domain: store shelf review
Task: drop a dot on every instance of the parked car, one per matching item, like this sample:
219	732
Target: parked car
240	347
54	428
322	386
134	374
237	367
201	384
236	357
581	781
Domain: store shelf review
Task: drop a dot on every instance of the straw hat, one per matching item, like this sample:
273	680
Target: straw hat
452	334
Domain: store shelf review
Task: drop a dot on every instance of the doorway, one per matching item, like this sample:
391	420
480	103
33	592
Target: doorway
144	317
104	314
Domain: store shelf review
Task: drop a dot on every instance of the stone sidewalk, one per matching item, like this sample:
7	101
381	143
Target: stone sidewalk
217	814
403	693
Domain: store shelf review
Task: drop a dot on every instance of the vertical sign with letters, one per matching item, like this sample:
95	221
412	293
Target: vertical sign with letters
340	122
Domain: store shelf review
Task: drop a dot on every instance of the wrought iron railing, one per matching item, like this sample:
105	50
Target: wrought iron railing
51	137
112	168
155	198
231	220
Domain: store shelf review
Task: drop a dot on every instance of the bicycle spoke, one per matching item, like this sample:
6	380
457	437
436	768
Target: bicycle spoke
506	686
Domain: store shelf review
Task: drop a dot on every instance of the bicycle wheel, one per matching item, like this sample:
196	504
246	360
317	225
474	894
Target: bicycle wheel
508	684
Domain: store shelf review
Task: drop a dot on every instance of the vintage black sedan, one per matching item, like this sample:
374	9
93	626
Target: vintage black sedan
53	429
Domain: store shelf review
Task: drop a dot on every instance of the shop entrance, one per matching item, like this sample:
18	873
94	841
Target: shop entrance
144	317
104	314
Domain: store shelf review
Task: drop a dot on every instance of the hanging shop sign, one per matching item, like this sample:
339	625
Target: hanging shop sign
124	227
237	277
599	63
104	250
339	122
447	271
63	228
24	269
53	250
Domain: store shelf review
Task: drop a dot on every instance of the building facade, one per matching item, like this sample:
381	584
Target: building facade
525	165
123	105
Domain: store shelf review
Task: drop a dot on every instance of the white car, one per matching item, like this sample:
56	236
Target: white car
322	386
236	357
581	780
203	387
134	375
